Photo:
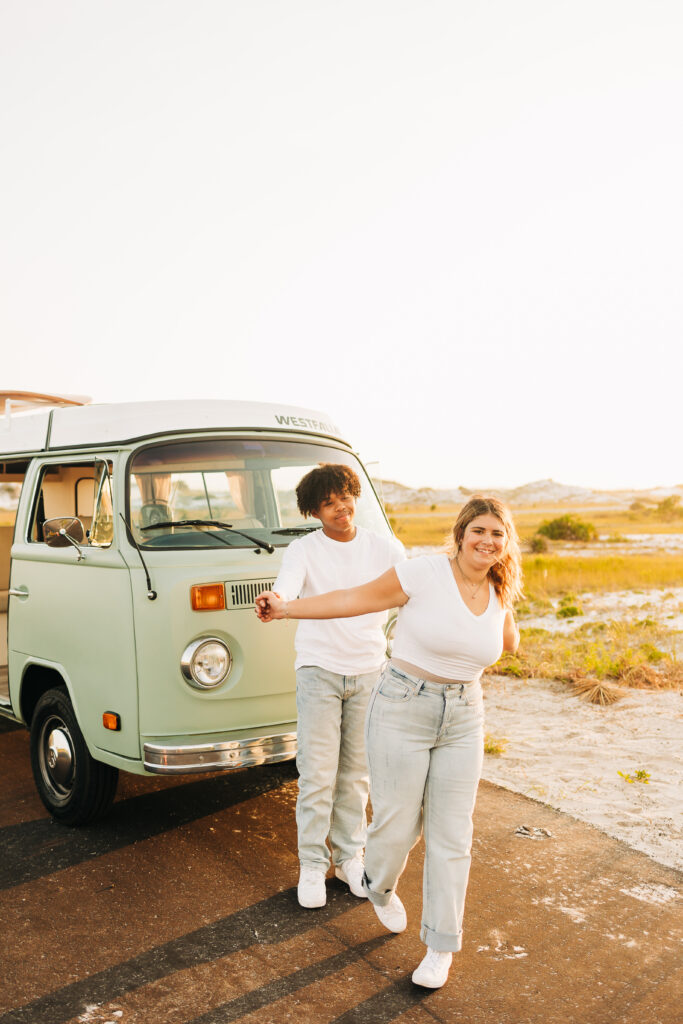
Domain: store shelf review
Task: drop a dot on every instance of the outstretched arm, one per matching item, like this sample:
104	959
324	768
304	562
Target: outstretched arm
377	596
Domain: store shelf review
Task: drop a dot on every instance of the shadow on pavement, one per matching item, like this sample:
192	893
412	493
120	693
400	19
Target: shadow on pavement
273	920
35	849
380	1008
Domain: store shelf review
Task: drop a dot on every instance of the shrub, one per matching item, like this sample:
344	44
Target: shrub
539	543
568	527
669	508
568	611
495	744
640	775
652	653
510	665
569	607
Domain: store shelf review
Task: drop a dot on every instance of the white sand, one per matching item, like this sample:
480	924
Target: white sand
663	606
567	753
627	544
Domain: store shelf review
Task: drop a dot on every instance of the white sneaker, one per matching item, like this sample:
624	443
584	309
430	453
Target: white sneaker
351	872
311	890
433	971
393	915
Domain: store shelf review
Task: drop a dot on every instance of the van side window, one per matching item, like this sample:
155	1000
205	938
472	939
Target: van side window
82	490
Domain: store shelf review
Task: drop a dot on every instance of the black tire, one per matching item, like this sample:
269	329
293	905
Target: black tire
74	787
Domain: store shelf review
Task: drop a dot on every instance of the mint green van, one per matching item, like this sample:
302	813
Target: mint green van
133	541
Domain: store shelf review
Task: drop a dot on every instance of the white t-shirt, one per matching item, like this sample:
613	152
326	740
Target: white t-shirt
436	631
315	564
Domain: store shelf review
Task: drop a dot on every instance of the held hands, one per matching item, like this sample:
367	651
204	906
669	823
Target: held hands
269	606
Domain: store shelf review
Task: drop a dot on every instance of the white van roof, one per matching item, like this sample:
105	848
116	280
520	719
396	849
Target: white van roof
89	426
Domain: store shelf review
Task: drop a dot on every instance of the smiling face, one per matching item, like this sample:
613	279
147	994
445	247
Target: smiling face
482	544
336	514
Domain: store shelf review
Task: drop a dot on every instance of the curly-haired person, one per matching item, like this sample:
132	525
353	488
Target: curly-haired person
338	662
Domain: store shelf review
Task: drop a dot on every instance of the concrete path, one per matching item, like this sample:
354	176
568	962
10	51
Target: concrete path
180	908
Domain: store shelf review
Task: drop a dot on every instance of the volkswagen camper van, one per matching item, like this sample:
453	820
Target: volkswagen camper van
133	541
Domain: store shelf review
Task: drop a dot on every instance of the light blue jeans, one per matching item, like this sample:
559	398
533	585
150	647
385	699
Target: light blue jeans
425	744
333	772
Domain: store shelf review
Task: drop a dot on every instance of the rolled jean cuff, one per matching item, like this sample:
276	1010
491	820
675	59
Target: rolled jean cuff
378	899
437	940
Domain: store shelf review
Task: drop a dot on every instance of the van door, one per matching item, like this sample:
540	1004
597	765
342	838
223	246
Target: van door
12	475
71	608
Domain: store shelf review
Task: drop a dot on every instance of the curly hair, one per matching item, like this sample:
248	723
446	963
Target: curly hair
506	575
326	479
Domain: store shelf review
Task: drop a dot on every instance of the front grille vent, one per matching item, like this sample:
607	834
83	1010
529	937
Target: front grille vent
243	593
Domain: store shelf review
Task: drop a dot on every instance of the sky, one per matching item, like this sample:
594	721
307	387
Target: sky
453	227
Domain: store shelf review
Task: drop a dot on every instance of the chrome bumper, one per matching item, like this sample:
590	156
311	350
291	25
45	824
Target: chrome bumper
213	757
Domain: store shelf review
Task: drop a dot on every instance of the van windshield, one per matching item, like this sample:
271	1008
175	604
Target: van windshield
248	484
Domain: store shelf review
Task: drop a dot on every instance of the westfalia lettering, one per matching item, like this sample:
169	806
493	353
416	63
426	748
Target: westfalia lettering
299	421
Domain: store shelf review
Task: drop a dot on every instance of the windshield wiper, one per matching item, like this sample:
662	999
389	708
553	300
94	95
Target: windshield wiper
287	530
211	522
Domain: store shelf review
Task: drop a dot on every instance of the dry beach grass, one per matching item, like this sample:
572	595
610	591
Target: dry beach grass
636	652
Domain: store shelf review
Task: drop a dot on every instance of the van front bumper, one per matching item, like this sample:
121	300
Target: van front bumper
181	758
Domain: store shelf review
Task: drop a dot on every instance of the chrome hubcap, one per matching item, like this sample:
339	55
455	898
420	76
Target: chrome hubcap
57	757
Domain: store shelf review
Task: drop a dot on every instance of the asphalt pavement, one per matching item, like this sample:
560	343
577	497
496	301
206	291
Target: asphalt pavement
180	908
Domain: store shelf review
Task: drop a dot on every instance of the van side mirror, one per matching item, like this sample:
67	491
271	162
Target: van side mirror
63	532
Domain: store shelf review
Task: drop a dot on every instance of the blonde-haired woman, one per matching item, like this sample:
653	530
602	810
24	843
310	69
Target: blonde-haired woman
425	721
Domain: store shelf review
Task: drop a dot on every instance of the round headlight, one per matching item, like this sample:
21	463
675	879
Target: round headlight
206	663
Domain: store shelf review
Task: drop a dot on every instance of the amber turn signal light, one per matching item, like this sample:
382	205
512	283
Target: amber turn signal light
110	720
208	597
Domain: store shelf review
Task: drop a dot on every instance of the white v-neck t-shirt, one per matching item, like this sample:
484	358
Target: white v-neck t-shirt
315	564
436	631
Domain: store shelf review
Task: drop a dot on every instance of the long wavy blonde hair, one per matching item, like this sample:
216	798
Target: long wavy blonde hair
506	575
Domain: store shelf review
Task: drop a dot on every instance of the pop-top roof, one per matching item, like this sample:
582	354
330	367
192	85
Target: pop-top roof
22	401
87	426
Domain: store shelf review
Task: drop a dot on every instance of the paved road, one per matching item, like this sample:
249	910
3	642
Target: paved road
181	907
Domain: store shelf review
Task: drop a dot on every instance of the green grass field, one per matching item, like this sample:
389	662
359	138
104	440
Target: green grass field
554	575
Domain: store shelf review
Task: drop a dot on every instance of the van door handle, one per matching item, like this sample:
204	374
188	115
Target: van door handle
14	592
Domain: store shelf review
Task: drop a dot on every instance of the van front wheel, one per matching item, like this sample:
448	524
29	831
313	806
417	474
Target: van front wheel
74	787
